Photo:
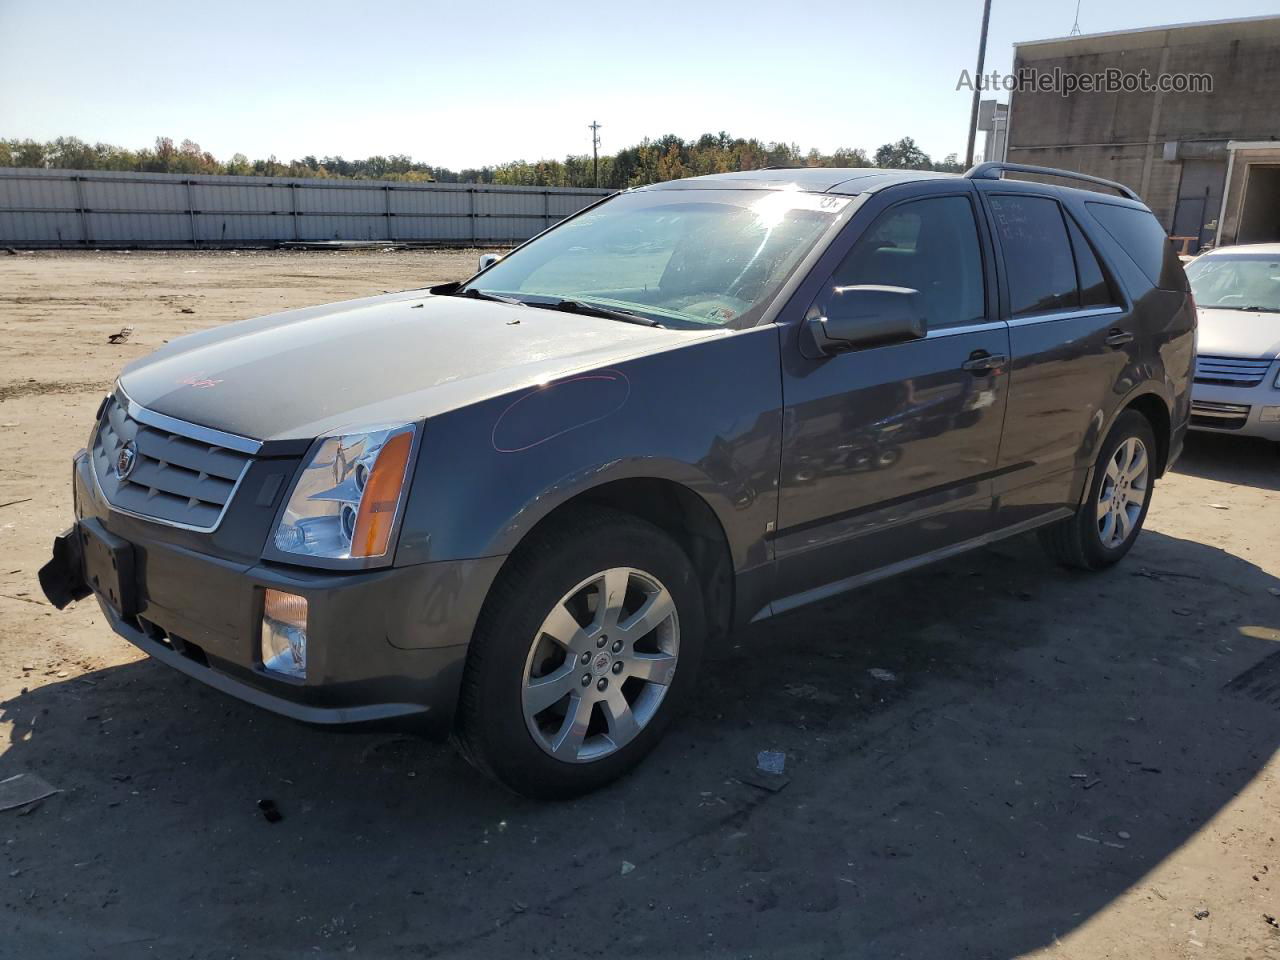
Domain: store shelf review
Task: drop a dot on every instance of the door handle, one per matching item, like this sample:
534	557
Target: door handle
981	362
1118	338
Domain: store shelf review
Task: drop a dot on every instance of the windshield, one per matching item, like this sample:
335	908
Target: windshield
683	258
1236	281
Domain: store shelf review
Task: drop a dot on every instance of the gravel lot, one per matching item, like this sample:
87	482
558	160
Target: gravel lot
1054	765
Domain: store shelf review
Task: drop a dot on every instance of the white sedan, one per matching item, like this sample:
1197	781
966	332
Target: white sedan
1237	384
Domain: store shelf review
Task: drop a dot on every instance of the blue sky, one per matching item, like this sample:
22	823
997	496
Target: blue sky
463	84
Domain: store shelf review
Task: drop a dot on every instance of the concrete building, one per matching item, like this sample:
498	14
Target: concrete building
1207	163
993	121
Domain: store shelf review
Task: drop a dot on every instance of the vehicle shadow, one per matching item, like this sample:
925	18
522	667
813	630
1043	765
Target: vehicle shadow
1246	460
981	756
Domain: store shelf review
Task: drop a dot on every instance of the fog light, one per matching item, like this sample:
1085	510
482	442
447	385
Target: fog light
284	634
1270	415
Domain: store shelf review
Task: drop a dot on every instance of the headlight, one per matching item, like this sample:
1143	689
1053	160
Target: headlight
347	498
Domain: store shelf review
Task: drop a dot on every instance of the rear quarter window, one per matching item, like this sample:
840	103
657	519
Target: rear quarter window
1141	237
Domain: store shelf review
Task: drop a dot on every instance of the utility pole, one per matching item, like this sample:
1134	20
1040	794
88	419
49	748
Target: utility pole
977	84
595	152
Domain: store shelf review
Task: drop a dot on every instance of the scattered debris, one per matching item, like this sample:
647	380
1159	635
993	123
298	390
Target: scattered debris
807	691
22	789
186	310
1181	612
270	811
1079	776
1159	894
18	596
519	906
771	761
627	867
1219	506
1081	836
1274	591
1123	834
124	334
887	676
1090	784
393	749
1202	914
1271	920
773	782
417	306
14	503
1162	575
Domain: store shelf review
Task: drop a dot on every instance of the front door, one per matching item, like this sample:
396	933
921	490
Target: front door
888	451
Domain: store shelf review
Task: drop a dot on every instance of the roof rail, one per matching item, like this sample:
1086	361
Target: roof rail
993	169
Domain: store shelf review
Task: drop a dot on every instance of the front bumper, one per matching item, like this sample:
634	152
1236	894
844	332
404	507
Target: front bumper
1238	410
382	644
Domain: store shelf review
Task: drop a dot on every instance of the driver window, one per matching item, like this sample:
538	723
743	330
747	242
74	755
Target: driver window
929	245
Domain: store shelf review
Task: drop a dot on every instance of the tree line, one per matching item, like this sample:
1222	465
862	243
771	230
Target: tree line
651	161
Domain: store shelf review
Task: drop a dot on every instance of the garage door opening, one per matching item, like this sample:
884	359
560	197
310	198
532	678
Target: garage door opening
1260	212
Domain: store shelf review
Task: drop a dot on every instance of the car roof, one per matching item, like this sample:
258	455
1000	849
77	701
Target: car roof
842	180
1265	249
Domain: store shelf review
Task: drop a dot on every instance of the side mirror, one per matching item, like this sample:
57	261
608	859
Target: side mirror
867	316
487	260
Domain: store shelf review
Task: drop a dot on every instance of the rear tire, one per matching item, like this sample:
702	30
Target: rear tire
587	645
1110	517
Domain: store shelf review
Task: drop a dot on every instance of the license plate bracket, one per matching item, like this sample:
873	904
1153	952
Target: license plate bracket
108	567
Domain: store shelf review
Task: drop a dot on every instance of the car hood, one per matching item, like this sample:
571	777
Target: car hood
1239	333
388	359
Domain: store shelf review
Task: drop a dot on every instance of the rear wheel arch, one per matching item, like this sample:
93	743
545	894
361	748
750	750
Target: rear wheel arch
1156	409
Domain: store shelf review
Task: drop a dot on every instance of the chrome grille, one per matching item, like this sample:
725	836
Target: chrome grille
175	479
1231	371
1221	416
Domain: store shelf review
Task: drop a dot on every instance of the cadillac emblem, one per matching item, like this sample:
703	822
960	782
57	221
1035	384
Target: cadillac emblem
126	459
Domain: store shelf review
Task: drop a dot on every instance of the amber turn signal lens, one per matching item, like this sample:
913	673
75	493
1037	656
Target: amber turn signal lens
377	513
287	608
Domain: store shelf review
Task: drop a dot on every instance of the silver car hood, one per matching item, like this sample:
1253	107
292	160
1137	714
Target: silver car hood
1239	333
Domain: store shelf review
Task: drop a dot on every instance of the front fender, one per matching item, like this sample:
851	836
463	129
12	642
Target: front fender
705	415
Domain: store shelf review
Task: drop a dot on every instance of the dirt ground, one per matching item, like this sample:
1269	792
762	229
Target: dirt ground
1055	765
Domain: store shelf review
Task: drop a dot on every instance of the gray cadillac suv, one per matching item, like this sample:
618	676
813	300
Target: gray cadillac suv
517	509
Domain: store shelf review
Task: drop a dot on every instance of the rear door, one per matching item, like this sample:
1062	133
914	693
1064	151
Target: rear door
1072	337
888	451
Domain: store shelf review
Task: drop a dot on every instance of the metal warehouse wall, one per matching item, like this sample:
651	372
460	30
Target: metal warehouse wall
73	208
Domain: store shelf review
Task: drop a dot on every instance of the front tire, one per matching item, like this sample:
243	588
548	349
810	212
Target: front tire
587	645
1110	518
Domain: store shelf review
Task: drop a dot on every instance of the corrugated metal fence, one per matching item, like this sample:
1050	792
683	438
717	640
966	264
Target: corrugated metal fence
72	208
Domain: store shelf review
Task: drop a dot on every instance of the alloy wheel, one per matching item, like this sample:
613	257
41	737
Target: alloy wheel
1123	492
600	665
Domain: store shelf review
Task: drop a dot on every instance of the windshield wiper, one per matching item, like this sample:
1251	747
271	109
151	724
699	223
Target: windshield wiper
475	294
1232	306
591	310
